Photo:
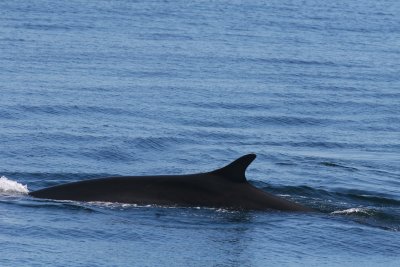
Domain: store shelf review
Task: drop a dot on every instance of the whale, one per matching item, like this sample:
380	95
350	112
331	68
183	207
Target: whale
226	188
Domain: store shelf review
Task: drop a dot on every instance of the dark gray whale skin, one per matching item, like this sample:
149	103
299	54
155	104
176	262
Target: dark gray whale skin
223	188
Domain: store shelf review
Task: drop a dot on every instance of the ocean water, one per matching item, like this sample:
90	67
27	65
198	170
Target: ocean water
99	88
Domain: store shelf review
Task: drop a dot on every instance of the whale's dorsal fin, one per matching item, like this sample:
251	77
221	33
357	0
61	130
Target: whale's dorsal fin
235	171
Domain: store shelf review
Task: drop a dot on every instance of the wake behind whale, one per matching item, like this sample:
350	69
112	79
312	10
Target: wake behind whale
226	187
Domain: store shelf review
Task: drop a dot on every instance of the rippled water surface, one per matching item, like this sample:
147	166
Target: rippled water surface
100	88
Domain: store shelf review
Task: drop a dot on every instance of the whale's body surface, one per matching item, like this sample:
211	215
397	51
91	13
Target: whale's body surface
223	188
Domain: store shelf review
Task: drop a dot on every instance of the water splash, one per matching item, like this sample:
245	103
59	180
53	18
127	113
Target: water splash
8	186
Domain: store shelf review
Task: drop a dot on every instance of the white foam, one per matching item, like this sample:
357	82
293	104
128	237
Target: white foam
114	205
8	186
351	211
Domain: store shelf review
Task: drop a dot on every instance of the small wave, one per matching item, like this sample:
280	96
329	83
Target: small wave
8	186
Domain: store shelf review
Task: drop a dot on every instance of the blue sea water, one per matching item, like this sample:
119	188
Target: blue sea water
99	88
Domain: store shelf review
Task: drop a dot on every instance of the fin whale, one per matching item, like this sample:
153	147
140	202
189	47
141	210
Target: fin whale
226	187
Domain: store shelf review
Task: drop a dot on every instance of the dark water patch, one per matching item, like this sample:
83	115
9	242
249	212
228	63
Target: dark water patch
74	110
8	115
303	63
107	154
362	77
287	163
290	121
305	144
385	128
153	143
339	89
143	74
366	198
214	134
328	198
326	144
227	106
13	40
166	36
204	122
346	111
51	27
361	163
337	165
64	137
